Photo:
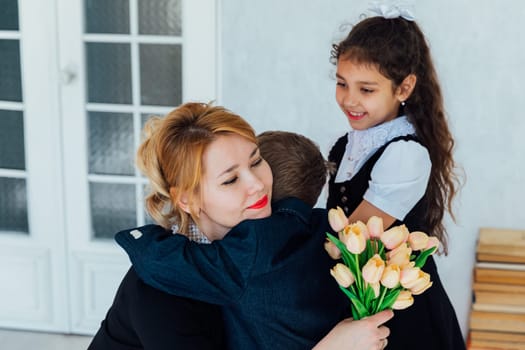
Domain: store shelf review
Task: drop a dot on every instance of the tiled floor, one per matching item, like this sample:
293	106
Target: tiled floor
17	340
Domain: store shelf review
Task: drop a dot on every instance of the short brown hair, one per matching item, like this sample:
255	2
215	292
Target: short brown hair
299	169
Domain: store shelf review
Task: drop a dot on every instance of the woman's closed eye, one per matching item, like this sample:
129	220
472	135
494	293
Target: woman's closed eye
257	162
230	181
367	90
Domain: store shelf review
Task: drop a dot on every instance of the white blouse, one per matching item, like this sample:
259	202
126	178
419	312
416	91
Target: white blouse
400	176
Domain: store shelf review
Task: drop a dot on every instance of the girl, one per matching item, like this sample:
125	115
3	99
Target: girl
396	162
206	174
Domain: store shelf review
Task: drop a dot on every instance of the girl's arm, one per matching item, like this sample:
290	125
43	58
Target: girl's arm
366	334
398	181
366	209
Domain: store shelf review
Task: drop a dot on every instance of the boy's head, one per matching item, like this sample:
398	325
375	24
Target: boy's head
298	167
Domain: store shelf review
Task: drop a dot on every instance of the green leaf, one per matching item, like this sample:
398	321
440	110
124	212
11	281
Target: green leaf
340	245
353	288
368	298
369	294
345	254
389	299
363	257
355	315
373	305
370	251
348	258
422	258
378	301
360	309
381	249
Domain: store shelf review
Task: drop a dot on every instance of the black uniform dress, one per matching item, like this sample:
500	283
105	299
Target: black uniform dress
143	317
431	322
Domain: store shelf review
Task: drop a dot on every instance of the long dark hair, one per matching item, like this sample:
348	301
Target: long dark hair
397	47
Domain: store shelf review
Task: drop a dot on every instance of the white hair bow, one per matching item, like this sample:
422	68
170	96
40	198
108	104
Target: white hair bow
391	11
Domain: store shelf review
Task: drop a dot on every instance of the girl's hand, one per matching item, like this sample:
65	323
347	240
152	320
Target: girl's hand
366	334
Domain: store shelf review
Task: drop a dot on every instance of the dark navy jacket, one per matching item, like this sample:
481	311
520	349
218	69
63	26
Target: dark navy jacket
271	276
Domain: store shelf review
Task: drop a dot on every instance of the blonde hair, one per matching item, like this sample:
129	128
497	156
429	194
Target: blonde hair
170	156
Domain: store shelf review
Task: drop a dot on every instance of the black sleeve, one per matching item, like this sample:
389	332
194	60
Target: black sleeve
142	317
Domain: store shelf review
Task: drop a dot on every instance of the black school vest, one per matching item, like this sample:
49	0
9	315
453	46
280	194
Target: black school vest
349	194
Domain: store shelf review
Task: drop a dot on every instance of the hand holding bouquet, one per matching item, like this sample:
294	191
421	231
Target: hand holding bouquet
379	271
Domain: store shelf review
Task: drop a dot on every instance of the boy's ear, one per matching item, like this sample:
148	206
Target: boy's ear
183	201
404	90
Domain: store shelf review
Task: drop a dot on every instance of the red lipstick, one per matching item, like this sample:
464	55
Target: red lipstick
261	203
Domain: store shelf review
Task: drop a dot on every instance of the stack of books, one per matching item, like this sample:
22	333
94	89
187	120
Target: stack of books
497	320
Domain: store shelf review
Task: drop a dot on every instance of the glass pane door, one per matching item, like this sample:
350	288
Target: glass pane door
13	184
133	54
122	61
32	236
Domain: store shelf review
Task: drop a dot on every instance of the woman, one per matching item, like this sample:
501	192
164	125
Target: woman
181	156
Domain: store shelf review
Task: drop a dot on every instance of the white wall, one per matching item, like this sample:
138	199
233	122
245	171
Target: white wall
276	73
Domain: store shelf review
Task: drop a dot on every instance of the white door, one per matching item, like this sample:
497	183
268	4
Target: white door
32	235
114	64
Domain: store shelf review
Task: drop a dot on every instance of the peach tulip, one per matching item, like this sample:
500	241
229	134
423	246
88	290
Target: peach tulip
374	226
399	256
415	279
337	219
354	236
408	276
404	300
332	250
393	237
373	269
390	277
421	284
360	227
418	240
342	275
433	242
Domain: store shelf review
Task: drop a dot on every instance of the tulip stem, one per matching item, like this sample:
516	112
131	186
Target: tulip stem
383	293
381	250
358	277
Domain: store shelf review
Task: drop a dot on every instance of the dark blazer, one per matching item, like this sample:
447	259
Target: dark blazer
271	276
142	317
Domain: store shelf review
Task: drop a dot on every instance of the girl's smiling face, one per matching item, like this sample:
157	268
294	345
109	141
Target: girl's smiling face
236	185
365	96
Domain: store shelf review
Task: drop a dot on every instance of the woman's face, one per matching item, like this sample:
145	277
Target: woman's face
236	185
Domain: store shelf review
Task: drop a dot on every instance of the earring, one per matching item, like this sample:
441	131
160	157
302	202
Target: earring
403	103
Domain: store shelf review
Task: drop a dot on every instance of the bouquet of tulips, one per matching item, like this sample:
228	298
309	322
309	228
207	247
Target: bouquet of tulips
379	271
